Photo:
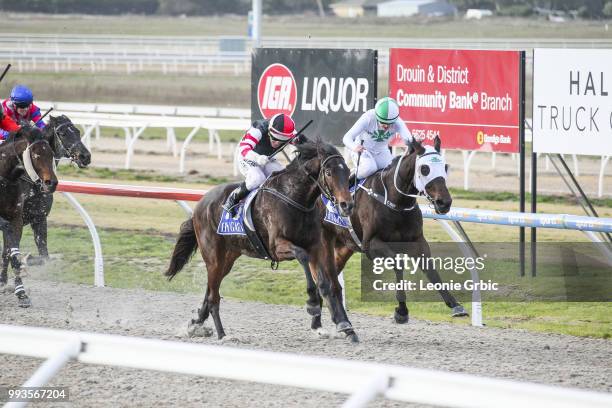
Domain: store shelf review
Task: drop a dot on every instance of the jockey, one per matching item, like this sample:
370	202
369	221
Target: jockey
375	127
21	109
263	139
7	125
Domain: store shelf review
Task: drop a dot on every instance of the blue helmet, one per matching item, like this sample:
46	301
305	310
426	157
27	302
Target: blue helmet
22	96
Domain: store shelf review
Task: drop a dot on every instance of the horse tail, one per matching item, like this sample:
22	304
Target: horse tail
184	249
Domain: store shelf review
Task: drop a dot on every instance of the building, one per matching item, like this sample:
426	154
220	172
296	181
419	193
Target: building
355	8
407	8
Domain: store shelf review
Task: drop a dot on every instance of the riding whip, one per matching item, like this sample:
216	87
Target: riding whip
46	113
280	149
8	66
357	168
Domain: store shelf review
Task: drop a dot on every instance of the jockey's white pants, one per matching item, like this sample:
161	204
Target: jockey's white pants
371	162
254	174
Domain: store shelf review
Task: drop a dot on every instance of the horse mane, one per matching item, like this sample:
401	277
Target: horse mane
311	149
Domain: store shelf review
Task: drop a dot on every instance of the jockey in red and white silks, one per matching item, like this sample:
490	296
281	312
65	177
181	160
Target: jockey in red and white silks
263	139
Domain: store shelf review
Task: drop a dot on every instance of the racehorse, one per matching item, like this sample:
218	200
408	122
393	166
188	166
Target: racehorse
285	214
28	148
65	140
386	212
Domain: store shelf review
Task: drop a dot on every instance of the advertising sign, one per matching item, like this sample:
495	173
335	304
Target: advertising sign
469	98
331	87
572	101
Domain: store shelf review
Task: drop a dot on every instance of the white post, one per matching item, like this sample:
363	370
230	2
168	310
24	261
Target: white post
184	148
602	168
467	252
467	159
98	259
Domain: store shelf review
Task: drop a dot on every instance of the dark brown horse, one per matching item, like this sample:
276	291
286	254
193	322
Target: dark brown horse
286	216
386	212
26	150
65	140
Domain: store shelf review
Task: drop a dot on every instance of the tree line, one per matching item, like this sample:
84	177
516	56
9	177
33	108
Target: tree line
525	8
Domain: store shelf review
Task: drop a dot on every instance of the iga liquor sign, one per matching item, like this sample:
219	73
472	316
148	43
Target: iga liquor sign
469	98
331	87
572	101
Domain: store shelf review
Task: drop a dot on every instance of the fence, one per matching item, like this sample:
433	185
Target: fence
363	381
588	225
201	55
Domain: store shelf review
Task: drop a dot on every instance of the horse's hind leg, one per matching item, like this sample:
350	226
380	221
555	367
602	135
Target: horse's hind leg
434	277
217	269
379	248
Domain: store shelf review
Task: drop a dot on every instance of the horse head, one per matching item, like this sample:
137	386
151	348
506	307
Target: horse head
324	163
65	139
38	158
430	174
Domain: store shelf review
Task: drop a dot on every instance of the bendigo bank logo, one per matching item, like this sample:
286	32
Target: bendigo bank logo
480	137
276	91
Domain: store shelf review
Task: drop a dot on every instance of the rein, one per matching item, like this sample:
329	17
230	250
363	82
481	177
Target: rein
391	205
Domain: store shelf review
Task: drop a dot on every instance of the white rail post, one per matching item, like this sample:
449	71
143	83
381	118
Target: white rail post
184	147
468	253
98	258
185	207
602	169
372	388
50	368
467	159
130	149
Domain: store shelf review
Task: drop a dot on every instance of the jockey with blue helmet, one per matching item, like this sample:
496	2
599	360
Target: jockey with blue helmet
376	127
20	108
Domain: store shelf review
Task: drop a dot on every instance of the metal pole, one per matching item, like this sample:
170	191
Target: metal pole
522	158
534	203
256	23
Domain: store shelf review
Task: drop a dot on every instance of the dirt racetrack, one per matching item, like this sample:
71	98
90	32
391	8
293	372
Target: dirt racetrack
513	354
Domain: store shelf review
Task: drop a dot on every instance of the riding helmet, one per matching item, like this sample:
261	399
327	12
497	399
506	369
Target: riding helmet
281	127
21	96
386	110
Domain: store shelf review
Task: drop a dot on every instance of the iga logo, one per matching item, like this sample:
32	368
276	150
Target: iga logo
276	91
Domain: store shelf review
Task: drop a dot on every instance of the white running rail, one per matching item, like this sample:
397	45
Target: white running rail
364	381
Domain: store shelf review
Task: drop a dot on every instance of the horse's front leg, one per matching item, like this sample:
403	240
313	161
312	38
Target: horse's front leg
13	239
323	264
39	228
5	264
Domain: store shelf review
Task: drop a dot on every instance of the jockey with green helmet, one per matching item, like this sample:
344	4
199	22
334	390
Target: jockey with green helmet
375	127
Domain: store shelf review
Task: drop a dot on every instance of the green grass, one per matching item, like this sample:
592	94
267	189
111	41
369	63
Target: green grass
137	259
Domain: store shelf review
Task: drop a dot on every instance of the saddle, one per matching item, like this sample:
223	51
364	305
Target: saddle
242	224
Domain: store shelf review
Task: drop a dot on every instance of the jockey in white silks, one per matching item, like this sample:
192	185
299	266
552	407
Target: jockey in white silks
375	128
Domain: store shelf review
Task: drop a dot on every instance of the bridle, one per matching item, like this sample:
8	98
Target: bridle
323	186
58	143
421	194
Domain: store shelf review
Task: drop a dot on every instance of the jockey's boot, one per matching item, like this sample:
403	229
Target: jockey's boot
234	198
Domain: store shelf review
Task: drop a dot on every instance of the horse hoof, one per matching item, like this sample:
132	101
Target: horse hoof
400	318
352	337
321	333
36	260
313	310
24	301
198	330
459	311
344	327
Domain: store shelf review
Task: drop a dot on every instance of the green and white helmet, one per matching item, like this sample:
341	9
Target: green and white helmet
387	110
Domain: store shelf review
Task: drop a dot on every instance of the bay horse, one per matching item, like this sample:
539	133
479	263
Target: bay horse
386	212
65	140
285	214
26	150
